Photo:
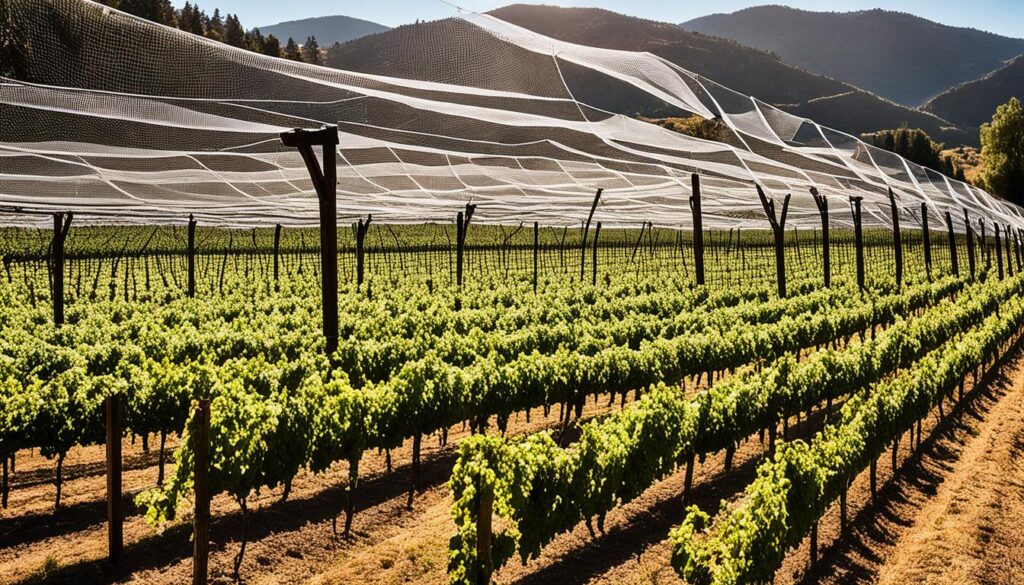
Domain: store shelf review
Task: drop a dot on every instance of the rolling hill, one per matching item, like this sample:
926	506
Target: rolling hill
973	103
899	56
327	29
749	71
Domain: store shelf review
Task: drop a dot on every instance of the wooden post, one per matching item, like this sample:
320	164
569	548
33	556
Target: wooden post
61	225
586	230
986	255
897	238
484	518
1009	250
688	479
698	230
778	225
536	246
597	233
326	184
201	517
277	254
463	219
822	204
970	244
1016	246
191	256
999	252
858	238
361	229
926	234
953	261
115	517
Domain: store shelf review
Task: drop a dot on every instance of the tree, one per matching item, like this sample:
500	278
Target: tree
14	49
916	146
311	52
234	34
272	46
1002	152
158	11
291	50
215	26
255	41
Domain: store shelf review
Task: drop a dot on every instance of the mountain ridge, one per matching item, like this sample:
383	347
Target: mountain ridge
328	30
973	103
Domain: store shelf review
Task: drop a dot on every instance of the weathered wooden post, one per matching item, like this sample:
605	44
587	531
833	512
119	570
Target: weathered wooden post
536	246
463	219
970	244
858	238
698	229
926	234
822	204
779	230
325	182
597	233
201	516
897	238
999	251
277	254
586	230
954	263
362	227
191	256
115	517
61	225
1009	260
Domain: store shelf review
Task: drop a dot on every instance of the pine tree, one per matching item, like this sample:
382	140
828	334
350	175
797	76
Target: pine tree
158	11
215	26
14	51
311	52
292	51
254	41
234	34
272	46
1002	152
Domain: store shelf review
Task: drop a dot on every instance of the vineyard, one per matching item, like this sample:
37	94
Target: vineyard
284	323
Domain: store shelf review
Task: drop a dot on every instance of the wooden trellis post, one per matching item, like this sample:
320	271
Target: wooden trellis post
698	229
1009	259
201	516
61	225
954	263
362	227
115	517
897	238
277	254
325	182
822	204
597	233
999	251
926	234
778	225
586	231
536	246
858	238
462	220
970	244
191	256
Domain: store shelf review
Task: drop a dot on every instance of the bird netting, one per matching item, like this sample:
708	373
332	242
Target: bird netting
121	120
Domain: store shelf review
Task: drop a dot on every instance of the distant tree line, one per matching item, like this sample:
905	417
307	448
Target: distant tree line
918	147
227	29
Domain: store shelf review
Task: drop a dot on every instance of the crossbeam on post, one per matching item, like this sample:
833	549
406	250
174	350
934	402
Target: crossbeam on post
325	181
778	225
822	204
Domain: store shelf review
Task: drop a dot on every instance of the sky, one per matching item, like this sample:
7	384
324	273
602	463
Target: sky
1004	17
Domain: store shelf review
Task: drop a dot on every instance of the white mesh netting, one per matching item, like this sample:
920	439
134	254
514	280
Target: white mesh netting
124	121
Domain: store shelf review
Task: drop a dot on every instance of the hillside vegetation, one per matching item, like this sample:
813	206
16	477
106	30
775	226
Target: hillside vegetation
972	103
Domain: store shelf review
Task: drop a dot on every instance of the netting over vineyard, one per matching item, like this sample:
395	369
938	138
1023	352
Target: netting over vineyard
124	121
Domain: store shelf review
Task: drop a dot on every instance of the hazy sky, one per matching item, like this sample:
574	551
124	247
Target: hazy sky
1000	16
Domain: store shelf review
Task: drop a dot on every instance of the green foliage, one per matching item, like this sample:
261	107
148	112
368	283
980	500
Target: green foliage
1002	152
916	146
14	50
696	126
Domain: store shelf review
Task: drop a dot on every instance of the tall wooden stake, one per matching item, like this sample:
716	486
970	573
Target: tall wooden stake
999	251
779	230
1009	260
536	246
858	238
325	182
822	204
115	517
277	255
954	263
698	229
191	256
897	238
926	234
586	230
361	229
463	219
597	233
201	517
61	225
970	244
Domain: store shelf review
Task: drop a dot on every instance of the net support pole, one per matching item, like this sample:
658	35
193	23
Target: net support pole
61	225
778	224
897	239
999	251
201	516
822	204
954	263
462	219
115	517
1009	250
361	229
986	255
927	239
970	243
858	238
597	234
698	230
1016	242
192	256
277	255
586	231
536	247
325	182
